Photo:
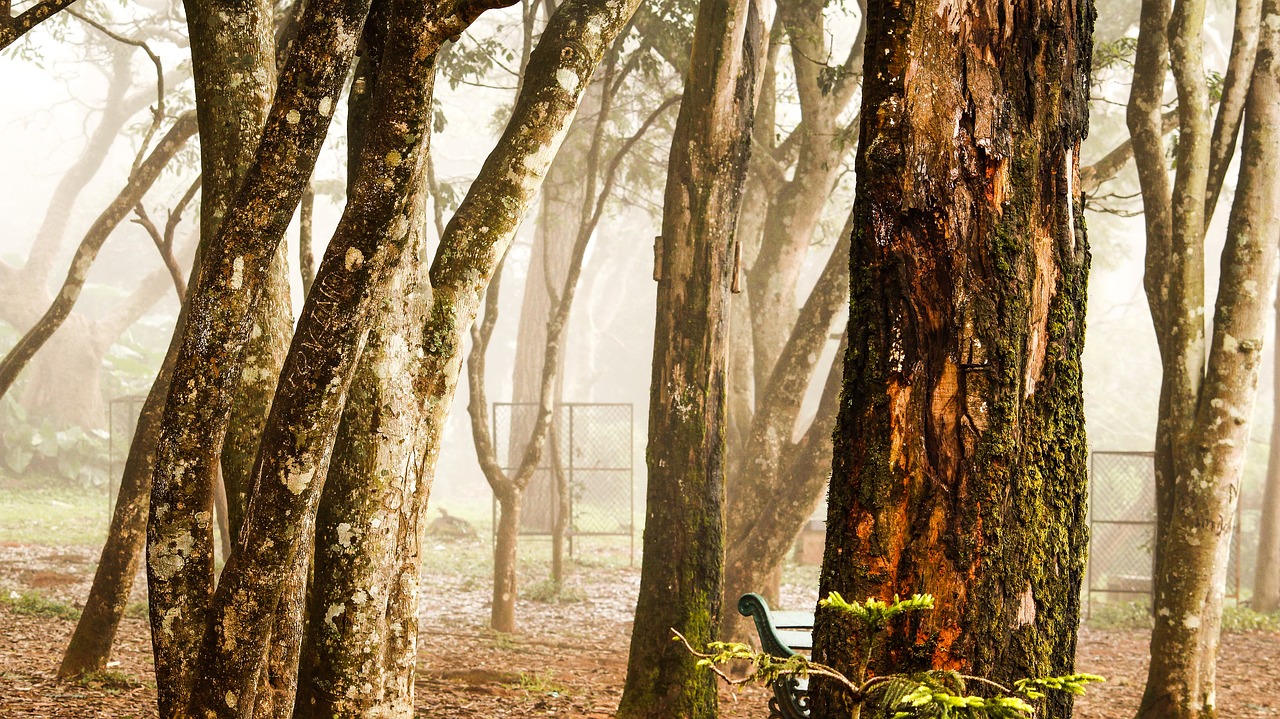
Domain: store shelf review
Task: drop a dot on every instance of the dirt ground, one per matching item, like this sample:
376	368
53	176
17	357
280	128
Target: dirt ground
568	660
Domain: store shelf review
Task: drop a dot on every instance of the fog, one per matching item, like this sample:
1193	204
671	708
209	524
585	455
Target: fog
56	84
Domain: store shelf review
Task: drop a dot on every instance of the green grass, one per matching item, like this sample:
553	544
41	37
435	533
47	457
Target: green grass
108	679
1137	615
34	605
54	517
542	683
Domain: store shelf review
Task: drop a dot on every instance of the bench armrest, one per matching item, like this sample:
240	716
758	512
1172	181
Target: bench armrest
781	644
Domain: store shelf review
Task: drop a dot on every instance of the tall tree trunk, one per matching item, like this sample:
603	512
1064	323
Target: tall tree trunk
681	575
1208	457
233	268
370	486
959	465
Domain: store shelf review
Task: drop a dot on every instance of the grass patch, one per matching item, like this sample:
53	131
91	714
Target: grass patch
1137	615
136	610
33	604
548	592
542	683
54	516
108	679
1244	619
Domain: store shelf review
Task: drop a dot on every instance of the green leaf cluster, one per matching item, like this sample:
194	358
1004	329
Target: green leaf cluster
936	694
875	614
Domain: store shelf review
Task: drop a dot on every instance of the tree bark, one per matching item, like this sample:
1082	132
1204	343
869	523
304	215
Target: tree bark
681	574
369	489
1208	457
959	453
233	270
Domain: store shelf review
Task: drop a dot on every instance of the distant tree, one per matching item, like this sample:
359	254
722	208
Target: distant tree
959	456
778	463
1208	384
681	577
1266	577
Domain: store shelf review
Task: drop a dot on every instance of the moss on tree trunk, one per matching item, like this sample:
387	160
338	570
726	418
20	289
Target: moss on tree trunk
682	573
959	465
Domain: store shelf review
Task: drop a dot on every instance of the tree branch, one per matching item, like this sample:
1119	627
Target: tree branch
183	129
12	28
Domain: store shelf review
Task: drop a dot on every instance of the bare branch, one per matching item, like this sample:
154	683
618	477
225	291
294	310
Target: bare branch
1235	89
1092	177
12	28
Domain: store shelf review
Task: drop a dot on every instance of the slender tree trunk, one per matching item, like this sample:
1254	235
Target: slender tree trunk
90	646
1266	577
1203	496
681	575
502	618
960	454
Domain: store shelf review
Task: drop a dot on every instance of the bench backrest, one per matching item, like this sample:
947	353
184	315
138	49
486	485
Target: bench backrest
782	634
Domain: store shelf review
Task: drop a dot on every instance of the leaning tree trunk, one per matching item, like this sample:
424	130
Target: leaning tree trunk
1203	495
233	269
90	645
681	574
960	451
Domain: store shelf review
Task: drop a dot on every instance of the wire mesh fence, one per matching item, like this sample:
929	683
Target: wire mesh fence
586	467
1122	523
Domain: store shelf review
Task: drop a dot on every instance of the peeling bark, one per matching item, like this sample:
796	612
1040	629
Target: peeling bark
682	572
959	452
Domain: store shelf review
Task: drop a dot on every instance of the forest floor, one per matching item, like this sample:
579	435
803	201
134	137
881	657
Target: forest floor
567	660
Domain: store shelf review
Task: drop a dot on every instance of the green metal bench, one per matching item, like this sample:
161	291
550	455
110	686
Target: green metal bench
783	635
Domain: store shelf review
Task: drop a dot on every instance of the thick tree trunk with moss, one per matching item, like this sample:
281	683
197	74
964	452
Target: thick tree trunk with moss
235	72
1207	445
960	451
682	572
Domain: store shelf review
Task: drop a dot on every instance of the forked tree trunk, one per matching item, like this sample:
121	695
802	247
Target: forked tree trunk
1208	454
959	465
681	575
